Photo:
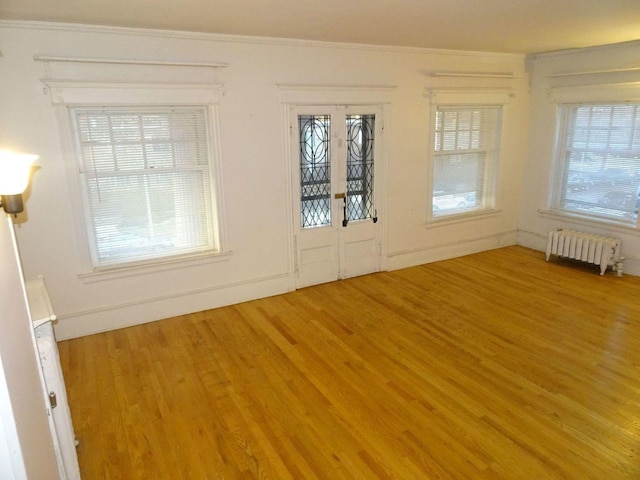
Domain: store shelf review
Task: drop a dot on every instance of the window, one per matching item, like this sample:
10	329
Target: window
147	182
466	144
598	161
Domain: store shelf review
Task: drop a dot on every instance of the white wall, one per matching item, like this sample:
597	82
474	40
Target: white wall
26	446
607	73
254	164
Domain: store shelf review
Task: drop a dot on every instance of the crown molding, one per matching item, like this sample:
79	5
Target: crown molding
229	38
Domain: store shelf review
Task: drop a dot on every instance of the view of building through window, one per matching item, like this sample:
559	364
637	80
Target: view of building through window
598	161
465	159
147	182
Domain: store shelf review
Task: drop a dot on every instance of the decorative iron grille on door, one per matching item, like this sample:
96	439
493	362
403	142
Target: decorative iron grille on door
315	170
360	143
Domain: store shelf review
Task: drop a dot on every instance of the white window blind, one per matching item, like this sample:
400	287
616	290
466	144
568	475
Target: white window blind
466	147
147	182
598	161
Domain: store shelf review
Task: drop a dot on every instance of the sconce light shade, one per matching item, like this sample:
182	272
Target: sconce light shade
15	169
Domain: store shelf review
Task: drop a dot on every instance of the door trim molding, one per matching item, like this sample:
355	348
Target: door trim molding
378	97
335	94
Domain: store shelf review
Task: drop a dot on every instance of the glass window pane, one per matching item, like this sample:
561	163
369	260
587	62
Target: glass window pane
148	182
360	166
465	159
599	166
315	170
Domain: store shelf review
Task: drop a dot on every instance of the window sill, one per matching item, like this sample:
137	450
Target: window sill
153	266
577	219
461	218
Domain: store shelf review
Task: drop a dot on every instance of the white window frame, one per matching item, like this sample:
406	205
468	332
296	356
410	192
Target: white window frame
66	95
467	98
104	175
559	178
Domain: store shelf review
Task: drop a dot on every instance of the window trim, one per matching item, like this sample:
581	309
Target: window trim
561	121
85	177
461	98
66	95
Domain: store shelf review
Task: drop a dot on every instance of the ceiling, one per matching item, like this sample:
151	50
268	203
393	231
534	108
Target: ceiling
510	26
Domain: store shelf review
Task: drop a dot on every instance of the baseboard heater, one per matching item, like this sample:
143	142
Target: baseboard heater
586	247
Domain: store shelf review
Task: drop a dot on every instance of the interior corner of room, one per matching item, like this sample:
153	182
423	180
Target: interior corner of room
174	170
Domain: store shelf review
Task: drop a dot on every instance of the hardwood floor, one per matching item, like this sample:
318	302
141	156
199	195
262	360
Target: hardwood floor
492	366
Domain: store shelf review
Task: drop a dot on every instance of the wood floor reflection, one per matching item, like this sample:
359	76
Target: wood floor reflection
494	366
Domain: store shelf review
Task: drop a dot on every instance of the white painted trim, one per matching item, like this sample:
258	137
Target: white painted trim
589	221
111	317
228	38
532	240
471	74
463	217
584	50
469	95
69	93
287	126
594	72
335	94
151	266
598	92
110	61
72	92
445	251
293	97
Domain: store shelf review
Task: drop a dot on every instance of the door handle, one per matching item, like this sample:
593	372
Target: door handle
344	211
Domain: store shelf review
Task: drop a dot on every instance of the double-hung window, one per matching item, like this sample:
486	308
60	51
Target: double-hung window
146	177
465	158
597	171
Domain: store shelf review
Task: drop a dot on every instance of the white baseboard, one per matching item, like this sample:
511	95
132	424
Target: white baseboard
532	240
113	317
83	323
410	258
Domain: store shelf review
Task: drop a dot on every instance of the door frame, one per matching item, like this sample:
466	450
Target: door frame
334	96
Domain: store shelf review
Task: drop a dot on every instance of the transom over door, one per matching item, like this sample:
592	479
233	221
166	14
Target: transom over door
337	232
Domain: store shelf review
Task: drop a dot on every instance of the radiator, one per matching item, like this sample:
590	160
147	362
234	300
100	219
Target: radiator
59	415
586	247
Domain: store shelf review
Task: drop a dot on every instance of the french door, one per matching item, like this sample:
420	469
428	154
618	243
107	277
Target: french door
337	228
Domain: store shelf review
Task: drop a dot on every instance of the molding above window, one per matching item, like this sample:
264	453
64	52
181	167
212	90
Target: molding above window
469	74
612	85
469	95
595	72
128	81
602	92
112	61
70	92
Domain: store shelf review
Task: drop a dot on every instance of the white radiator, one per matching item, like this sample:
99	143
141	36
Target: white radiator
586	247
64	440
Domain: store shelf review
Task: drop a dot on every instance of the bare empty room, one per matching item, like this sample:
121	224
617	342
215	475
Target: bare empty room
339	240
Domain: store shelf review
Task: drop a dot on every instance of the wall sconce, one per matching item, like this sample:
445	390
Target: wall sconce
15	169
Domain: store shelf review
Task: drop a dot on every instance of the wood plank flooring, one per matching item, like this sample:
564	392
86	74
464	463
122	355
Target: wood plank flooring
494	366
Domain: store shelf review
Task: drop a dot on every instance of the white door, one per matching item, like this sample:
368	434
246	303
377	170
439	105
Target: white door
337	229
